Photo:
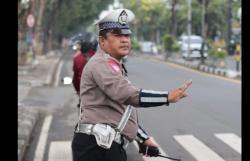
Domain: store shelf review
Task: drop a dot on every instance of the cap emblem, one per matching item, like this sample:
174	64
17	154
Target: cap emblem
123	17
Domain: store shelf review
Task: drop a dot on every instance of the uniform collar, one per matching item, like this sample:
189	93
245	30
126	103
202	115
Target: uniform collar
107	56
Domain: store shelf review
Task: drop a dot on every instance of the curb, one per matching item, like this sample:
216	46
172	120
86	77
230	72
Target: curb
207	69
27	118
204	68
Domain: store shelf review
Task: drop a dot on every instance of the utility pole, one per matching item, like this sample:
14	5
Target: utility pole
189	24
238	46
203	32
229	24
173	18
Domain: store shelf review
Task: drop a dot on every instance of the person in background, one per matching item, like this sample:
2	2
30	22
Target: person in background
84	50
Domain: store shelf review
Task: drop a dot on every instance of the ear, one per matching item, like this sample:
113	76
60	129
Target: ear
101	40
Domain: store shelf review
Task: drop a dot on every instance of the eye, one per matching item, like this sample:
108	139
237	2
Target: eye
117	35
127	35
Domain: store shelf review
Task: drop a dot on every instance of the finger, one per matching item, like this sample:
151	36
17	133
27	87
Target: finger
184	95
150	142
189	82
186	85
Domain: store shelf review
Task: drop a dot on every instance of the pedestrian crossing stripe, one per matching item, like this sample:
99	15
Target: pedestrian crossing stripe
60	151
230	139
41	145
197	149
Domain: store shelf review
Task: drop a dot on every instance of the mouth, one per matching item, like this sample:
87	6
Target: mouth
124	47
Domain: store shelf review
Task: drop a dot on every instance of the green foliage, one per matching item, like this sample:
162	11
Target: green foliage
176	47
77	15
151	16
217	53
168	42
135	45
155	15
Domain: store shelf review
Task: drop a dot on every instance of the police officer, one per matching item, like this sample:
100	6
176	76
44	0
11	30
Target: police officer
107	122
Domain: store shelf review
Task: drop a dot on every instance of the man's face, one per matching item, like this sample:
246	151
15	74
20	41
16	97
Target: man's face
117	45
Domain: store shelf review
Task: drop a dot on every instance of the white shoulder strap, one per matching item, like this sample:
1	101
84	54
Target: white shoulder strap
124	118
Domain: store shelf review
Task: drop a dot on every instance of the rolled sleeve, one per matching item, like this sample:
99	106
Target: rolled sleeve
149	98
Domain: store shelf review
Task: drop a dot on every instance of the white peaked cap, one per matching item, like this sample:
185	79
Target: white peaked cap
113	16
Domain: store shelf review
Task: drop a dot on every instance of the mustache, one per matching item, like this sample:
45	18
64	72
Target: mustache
124	46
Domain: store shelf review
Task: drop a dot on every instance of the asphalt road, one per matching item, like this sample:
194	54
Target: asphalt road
212	107
190	129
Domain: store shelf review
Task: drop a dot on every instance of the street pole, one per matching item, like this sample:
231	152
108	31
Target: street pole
189	24
202	31
239	16
229	24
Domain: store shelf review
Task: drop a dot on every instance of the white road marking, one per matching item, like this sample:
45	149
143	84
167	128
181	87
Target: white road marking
230	139
58	71
60	151
197	149
153	158
40	149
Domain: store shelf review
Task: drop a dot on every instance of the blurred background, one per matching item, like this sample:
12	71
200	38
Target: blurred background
212	27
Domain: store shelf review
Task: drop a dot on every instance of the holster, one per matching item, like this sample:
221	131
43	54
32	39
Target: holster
104	135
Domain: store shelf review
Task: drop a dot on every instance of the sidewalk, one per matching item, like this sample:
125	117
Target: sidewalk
39	73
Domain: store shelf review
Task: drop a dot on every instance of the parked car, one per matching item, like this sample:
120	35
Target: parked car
195	47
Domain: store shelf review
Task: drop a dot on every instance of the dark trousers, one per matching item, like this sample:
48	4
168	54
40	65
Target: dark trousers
84	148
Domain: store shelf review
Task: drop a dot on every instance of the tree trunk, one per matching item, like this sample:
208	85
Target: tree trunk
173	18
38	43
229	24
48	37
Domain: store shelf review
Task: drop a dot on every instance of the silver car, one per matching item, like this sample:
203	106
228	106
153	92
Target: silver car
195	47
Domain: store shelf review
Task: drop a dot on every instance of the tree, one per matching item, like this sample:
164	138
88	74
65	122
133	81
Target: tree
52	10
38	44
151	18
170	44
173	18
80	15
58	18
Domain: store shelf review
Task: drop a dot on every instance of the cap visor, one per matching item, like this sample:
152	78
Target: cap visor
121	31
126	31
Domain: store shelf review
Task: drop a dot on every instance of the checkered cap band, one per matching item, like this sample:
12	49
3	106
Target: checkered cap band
112	25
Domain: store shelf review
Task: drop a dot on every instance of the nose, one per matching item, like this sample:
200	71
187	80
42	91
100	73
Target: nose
125	38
